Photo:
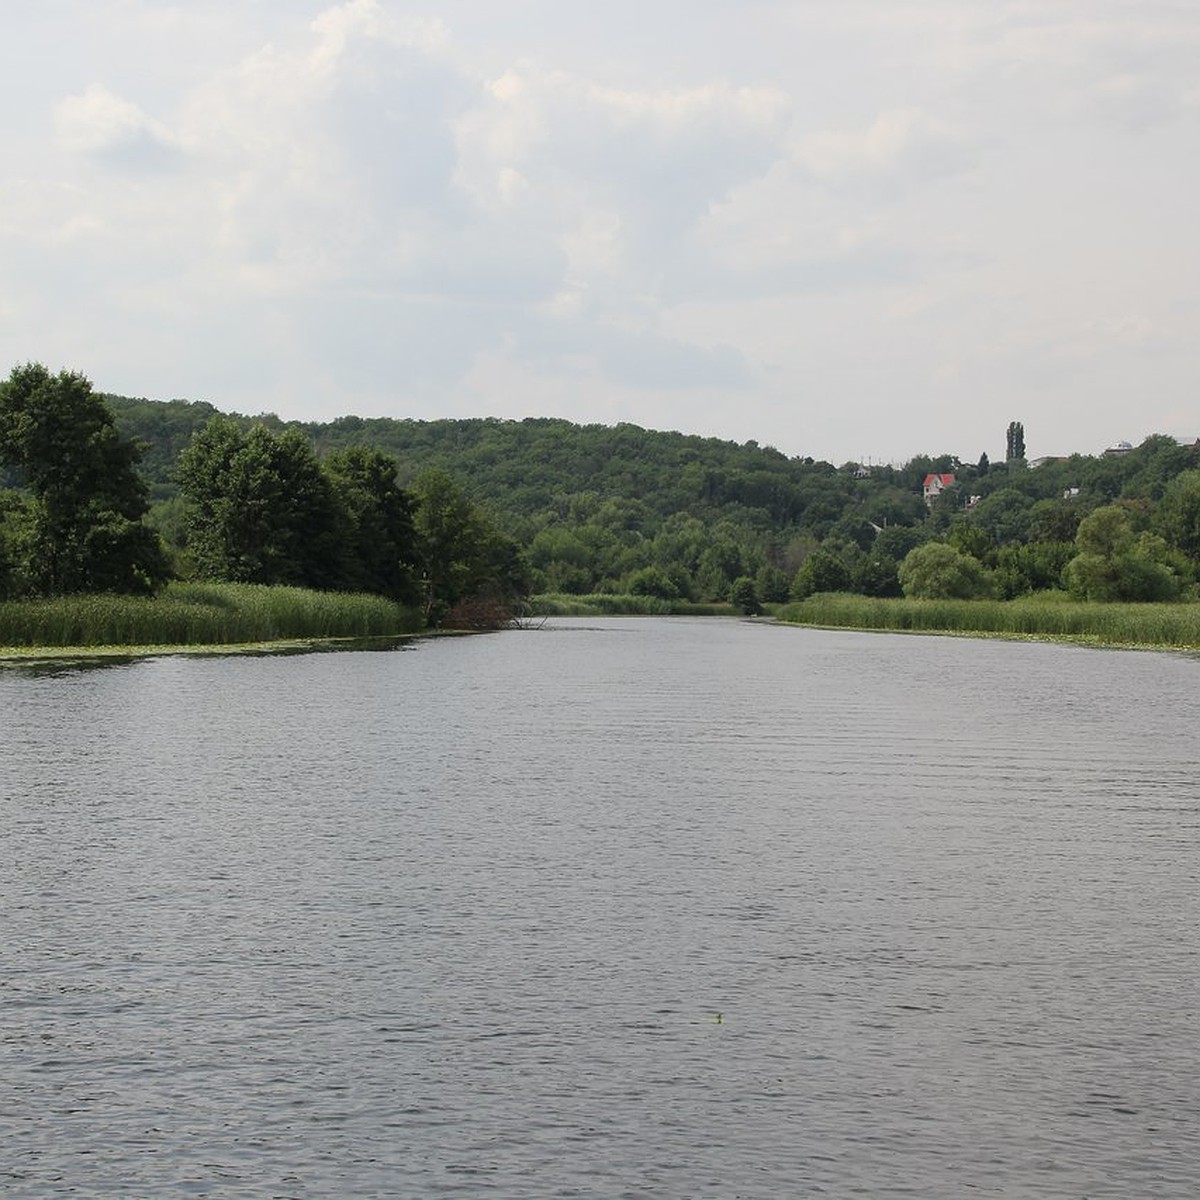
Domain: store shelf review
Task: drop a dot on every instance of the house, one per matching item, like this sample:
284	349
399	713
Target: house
1117	450
934	485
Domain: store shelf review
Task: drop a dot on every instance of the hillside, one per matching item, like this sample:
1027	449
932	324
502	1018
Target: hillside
596	505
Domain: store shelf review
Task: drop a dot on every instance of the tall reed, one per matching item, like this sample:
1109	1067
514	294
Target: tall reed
1047	615
201	614
600	604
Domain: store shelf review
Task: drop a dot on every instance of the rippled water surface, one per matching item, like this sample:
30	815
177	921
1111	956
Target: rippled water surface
639	908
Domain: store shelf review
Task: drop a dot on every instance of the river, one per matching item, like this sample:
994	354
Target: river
611	908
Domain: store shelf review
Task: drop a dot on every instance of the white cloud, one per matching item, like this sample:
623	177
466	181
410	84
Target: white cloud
100	123
857	218
900	146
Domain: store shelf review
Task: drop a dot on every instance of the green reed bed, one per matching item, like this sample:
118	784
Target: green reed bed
188	614
560	604
1047	616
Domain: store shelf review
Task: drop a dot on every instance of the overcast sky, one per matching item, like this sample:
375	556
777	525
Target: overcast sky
852	229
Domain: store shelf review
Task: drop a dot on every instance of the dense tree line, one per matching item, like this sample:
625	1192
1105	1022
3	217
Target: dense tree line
624	509
241	501
258	506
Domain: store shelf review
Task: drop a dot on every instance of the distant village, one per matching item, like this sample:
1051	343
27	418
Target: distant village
936	483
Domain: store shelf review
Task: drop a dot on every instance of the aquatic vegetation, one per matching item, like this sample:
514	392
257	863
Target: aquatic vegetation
1043	615
201	614
601	604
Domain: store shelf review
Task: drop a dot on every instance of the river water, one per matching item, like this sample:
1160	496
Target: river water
613	908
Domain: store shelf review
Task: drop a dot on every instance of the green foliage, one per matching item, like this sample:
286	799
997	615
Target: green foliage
464	554
772	584
1053	521
937	571
897	540
80	526
876	574
1177	517
1115	563
259	509
1035	567
652	581
971	539
1046	616
821	571
187	614
1015	441
744	595
615	604
1003	516
592	505
380	549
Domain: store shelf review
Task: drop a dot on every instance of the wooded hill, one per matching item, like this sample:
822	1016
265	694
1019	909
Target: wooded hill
618	508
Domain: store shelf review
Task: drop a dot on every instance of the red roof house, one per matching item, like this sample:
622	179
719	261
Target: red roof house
934	485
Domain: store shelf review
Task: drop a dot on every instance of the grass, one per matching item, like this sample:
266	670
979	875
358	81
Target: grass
193	614
1048	615
559	604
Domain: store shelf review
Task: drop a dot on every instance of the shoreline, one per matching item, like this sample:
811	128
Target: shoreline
24	656
1086	641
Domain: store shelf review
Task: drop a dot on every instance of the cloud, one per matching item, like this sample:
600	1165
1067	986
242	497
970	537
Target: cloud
634	210
655	161
115	131
901	146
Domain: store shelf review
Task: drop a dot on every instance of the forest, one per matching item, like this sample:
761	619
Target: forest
453	513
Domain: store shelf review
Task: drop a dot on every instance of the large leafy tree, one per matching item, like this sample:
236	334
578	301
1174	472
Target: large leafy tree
382	554
259	509
1116	563
937	571
78	526
1177	517
466	558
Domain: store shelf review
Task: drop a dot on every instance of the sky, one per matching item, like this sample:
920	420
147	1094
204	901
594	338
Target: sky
859	230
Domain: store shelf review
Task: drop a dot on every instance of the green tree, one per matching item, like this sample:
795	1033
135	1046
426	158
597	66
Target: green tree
1015	441
937	571
720	564
1053	521
83	529
876	575
1033	567
12	509
821	571
1003	516
652	581
772	584
380	543
1116	563
970	539
744	595
466	559
259	509
1177	517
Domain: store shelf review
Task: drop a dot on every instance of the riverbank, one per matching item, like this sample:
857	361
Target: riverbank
560	604
1048	617
198	618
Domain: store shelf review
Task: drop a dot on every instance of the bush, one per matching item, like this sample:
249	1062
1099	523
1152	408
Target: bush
937	571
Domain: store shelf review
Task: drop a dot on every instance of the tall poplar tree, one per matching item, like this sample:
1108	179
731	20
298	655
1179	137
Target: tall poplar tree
1016	441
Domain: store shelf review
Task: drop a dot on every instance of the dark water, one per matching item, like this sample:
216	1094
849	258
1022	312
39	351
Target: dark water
460	920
